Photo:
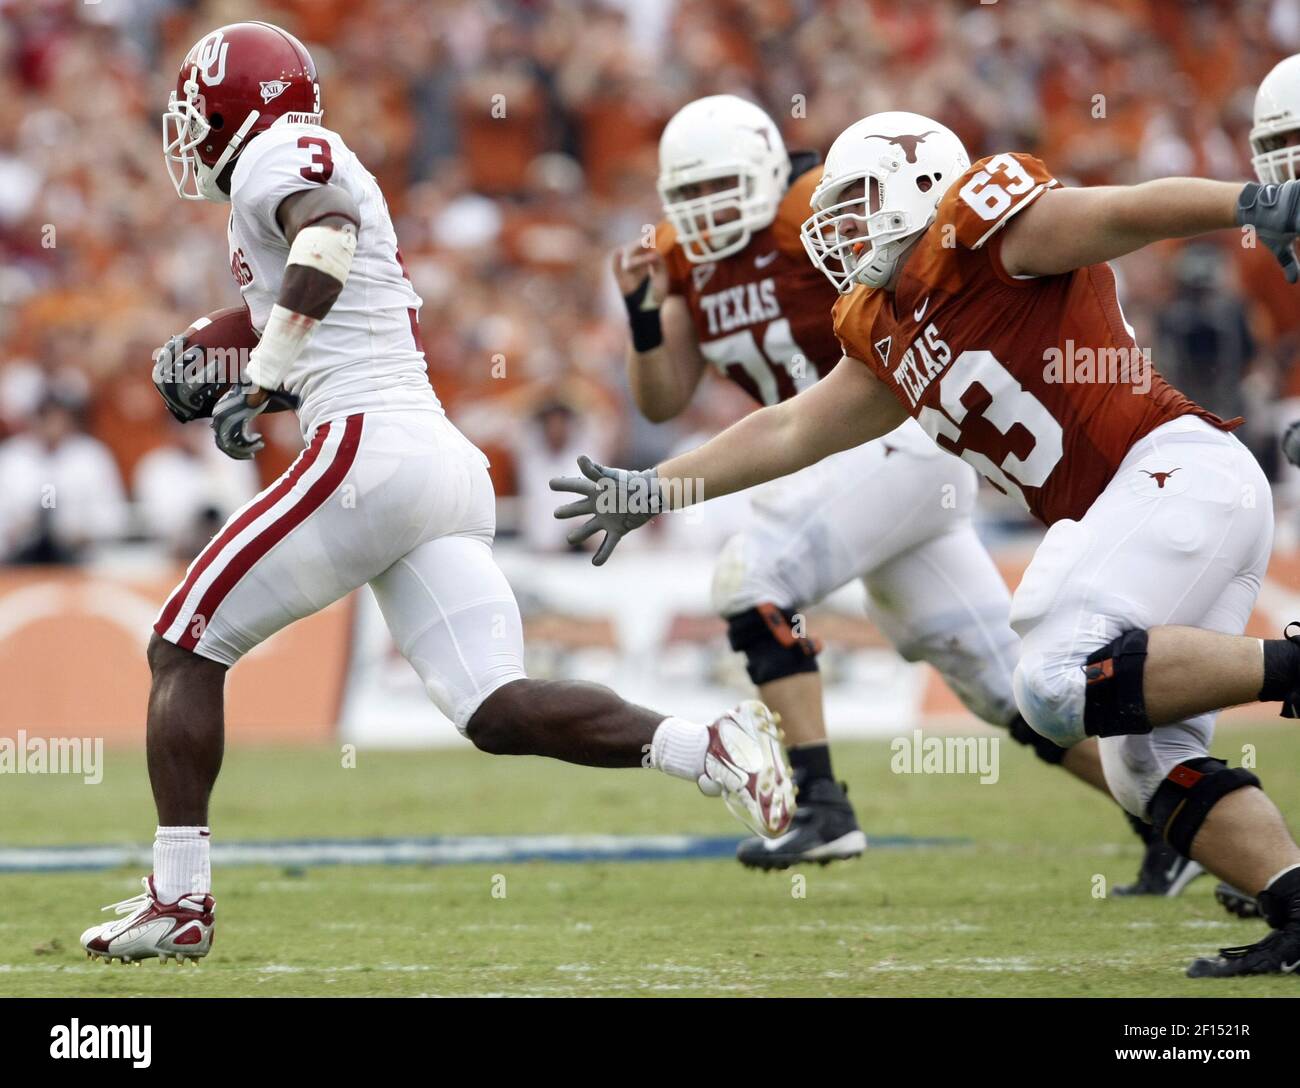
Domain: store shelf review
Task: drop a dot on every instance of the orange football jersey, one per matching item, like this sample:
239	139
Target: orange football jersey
761	316
1036	381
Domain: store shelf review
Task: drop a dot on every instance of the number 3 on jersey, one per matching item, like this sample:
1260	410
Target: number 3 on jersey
1009	404
322	161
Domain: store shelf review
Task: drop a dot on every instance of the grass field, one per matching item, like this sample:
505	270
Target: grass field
1011	913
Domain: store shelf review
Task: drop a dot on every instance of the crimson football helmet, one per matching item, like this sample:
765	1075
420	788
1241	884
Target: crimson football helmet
236	82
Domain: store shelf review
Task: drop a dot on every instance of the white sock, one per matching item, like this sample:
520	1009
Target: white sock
678	748
181	862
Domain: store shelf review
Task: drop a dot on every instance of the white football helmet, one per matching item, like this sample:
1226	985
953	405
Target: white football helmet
714	139
904	164
1277	114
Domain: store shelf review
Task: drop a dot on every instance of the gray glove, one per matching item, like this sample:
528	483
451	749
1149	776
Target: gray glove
618	500
230	418
1274	212
183	380
1291	443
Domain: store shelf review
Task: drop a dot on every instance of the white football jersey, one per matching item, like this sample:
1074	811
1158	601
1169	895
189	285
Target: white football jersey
365	355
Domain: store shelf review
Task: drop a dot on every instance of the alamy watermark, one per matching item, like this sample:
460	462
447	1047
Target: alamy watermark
1078	364
22	754
919	754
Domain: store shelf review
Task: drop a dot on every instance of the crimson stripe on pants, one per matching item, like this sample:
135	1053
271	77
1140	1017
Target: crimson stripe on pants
242	561
278	491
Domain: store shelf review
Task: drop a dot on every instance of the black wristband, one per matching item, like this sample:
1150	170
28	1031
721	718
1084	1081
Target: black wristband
647	332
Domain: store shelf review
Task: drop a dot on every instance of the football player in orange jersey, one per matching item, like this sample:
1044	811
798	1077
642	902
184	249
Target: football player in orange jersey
977	299
727	285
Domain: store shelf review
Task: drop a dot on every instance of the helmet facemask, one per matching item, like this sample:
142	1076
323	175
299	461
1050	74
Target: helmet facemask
1275	160
850	238
717	224
185	127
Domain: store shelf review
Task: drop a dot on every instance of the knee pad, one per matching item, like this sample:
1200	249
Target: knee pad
1046	750
765	635
1049	695
1113	702
1188	793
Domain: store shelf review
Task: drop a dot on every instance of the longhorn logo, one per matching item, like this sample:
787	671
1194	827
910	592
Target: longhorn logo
907	143
1160	477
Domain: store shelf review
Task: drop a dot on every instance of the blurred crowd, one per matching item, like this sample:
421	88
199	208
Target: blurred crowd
516	143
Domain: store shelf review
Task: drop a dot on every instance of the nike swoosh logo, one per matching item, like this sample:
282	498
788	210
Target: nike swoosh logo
920	313
766	259
1287	968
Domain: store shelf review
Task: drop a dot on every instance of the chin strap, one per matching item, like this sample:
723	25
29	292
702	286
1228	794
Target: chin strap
208	180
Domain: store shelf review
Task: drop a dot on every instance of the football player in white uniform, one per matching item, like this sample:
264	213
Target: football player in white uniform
387	492
728	285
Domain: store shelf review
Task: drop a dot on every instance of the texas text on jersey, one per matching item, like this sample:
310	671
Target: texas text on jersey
1037	381
760	315
367	355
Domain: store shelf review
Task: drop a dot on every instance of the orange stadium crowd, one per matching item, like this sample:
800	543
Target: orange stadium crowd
516	143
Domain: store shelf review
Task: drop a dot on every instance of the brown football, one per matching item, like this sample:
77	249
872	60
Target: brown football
227	337
228	330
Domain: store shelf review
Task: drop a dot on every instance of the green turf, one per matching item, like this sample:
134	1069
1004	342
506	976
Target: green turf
1013	913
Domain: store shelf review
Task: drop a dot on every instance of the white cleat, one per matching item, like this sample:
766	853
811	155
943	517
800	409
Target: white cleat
180	931
746	764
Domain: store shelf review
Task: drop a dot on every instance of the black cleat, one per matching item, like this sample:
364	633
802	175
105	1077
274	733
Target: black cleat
1237	902
1164	872
824	829
1276	954
1279	952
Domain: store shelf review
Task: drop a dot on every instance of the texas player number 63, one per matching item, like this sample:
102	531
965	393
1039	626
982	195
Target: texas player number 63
988	198
1009	403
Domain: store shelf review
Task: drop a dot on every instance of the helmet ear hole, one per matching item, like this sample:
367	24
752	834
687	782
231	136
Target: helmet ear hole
925	183
216	121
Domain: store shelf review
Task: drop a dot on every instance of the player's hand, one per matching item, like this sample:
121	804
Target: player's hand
1291	443
633	266
240	405
1274	212
618	500
181	377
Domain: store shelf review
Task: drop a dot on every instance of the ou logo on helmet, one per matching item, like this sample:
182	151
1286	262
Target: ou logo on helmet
210	58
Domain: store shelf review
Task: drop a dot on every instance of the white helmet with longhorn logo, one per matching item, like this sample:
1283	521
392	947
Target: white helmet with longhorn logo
723	170
884	178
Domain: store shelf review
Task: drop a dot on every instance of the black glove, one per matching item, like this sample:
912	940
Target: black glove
1274	212
618	500
230	419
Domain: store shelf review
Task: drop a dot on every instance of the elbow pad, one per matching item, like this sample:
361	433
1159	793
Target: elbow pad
327	249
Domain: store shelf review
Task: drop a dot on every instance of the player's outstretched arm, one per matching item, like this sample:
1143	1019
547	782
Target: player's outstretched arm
664	364
848	407
320	226
1065	229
